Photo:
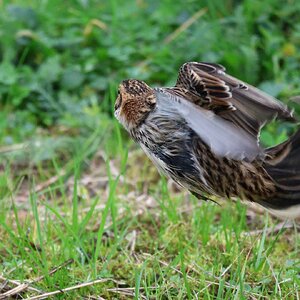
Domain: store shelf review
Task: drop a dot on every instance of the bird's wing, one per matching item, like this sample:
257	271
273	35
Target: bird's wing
224	138
208	85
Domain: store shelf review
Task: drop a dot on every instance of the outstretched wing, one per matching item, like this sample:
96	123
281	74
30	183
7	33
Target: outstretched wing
208	86
223	137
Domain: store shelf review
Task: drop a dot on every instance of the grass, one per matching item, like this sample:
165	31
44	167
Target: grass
83	213
157	244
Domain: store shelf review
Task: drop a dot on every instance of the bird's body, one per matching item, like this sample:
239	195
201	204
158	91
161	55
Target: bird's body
203	133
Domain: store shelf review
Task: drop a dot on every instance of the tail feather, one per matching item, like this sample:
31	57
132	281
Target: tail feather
283	166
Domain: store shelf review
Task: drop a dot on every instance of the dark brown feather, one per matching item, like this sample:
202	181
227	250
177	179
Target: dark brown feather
209	86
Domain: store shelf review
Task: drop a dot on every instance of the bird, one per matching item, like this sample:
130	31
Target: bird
204	133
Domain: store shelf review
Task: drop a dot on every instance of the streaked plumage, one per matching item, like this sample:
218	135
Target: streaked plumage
204	134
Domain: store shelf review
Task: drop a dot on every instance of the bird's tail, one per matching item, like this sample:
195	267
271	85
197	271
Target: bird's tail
283	166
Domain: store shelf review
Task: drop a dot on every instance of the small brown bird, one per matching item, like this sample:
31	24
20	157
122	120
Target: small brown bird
204	134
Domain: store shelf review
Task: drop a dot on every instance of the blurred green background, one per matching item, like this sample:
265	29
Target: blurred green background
61	61
74	188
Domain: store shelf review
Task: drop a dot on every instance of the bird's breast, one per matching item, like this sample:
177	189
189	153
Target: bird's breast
169	144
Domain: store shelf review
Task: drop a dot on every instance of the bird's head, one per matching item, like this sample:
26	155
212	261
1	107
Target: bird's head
134	102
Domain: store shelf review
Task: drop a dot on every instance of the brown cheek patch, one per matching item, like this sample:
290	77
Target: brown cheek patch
132	111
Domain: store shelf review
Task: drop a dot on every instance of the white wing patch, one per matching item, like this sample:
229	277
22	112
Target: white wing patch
223	137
